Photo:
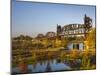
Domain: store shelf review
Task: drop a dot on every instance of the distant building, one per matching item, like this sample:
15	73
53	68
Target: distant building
40	36
75	30
50	34
78	32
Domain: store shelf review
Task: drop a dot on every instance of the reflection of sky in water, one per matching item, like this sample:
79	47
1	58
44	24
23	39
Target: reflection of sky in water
59	66
53	64
38	67
42	66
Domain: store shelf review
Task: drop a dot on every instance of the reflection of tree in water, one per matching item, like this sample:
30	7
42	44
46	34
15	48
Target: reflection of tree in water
41	62
51	61
58	61
34	65
44	62
48	68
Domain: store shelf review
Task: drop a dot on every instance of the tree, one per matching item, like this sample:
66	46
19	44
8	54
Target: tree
64	42
58	43
91	39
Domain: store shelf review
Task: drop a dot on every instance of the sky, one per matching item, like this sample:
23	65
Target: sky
32	18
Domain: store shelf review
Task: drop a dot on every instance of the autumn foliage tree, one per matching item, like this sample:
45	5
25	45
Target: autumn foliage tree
91	39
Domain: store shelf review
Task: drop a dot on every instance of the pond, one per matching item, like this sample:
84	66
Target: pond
44	66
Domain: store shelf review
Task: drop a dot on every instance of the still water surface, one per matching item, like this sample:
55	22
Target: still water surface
45	66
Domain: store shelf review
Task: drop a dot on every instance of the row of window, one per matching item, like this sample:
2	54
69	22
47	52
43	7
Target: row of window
73	31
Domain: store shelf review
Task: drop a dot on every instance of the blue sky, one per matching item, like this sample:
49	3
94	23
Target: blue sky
31	18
